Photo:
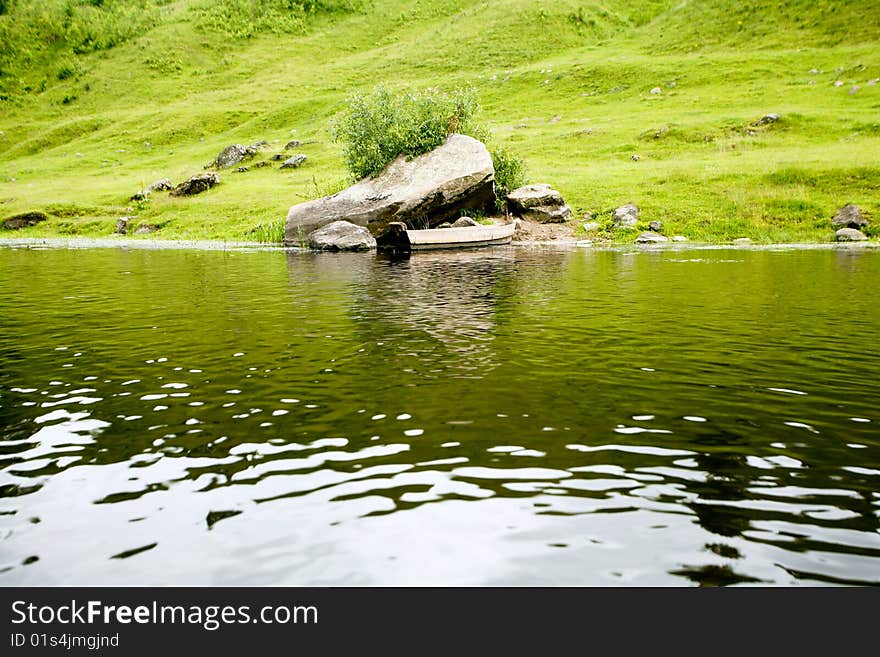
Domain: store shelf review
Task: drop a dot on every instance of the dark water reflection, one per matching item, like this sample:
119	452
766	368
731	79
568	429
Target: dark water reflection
490	417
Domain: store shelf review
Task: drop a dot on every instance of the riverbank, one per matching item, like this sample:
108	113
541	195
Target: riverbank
658	104
563	244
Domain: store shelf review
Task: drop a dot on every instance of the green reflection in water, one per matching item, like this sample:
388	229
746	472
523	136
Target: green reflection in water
500	416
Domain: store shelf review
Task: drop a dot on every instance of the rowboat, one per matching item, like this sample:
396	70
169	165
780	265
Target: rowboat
399	237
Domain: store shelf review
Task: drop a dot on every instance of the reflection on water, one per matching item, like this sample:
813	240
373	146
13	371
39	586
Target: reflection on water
491	417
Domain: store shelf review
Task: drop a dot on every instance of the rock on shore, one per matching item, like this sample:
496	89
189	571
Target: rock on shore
342	236
850	235
540	203
436	186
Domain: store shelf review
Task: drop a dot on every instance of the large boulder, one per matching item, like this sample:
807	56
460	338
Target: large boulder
342	236
540	203
196	185
24	220
849	216
850	235
457	175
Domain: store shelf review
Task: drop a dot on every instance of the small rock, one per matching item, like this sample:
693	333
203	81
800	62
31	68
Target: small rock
742	241
635	157
591	226
814	71
656	226
233	154
24	220
242	169
872	82
555	119
531	196
143	195
277	157
464	222
293	143
850	235
626	216
849	216
122	225
767	119
650	238
539	203
196	185
679	238
257	145
838	83
145	229
656	90
163	185
294	162
547	214
261	164
854	90
342	236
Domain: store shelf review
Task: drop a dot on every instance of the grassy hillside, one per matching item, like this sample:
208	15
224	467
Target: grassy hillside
101	97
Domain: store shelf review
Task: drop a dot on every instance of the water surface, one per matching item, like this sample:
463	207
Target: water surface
503	416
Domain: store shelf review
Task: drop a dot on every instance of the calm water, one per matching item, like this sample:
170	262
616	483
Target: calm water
507	416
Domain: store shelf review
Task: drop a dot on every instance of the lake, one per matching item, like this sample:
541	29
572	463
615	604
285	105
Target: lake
509	416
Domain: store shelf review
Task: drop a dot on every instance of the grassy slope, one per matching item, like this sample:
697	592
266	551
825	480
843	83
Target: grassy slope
568	88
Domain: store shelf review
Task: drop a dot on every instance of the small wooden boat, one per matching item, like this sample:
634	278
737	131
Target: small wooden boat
399	237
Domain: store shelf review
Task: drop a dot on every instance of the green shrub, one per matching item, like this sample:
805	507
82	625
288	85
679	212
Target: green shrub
67	69
379	126
510	173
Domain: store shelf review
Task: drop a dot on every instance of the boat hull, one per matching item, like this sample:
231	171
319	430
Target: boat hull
455	238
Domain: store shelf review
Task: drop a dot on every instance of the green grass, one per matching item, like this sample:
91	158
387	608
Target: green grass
130	91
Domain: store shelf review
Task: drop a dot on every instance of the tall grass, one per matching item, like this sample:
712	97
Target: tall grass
271	233
243	19
35	34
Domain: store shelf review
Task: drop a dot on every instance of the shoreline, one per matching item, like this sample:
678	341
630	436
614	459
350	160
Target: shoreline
40	243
